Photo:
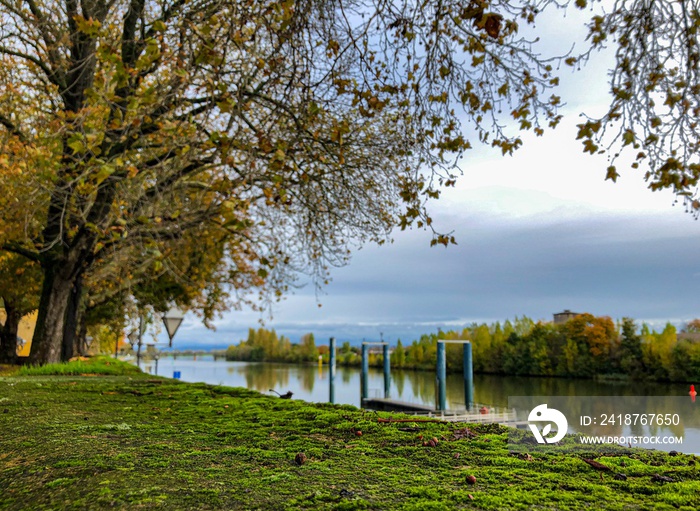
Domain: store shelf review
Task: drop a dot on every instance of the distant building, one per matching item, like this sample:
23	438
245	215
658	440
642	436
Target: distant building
563	317
688	336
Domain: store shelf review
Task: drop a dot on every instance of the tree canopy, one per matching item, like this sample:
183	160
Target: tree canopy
655	92
218	146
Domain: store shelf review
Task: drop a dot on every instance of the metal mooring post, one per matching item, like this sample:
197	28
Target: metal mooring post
331	370
364	378
441	375
387	370
468	375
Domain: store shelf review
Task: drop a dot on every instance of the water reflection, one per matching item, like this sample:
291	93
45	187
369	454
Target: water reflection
399	380
262	377
344	375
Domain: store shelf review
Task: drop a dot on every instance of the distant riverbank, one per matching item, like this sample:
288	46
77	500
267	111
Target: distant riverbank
585	346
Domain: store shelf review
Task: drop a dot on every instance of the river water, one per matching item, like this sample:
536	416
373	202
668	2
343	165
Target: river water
310	383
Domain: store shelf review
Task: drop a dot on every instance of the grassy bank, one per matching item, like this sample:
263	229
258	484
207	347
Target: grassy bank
137	442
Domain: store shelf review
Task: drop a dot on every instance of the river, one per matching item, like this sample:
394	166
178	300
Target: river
310	383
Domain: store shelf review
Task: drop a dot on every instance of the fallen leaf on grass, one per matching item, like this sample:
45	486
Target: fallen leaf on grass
596	465
522	455
464	433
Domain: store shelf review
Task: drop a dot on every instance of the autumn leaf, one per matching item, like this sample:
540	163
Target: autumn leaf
492	24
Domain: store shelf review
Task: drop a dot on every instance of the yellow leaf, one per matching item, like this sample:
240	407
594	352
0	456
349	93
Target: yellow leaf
612	174
628	137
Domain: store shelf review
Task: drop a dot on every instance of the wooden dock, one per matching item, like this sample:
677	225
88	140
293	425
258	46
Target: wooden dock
506	417
392	405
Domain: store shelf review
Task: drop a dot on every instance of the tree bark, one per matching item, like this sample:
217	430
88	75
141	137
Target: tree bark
60	278
8	335
71	340
81	339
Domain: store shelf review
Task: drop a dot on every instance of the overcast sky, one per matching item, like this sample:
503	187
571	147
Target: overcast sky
537	233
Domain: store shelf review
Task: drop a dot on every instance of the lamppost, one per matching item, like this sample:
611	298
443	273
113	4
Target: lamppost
153	351
138	336
172	320
116	348
133	338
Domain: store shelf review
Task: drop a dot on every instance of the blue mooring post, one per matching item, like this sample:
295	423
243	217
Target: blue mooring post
387	370
441	377
364	383
468	375
331	370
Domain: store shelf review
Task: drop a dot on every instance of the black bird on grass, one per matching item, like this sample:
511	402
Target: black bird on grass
287	395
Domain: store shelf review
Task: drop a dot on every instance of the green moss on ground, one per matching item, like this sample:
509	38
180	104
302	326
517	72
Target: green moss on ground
138	442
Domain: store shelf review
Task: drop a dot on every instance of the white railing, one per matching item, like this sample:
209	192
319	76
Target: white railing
492	416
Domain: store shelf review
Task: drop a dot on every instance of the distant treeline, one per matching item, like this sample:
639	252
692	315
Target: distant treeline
265	346
583	347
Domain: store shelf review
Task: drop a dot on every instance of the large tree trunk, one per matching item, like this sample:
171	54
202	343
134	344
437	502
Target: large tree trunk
81	338
60	278
71	340
8	335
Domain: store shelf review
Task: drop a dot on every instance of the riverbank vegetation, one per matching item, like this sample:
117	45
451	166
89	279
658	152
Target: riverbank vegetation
264	345
133	441
584	347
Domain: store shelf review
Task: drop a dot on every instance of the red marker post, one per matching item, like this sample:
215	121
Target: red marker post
692	393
